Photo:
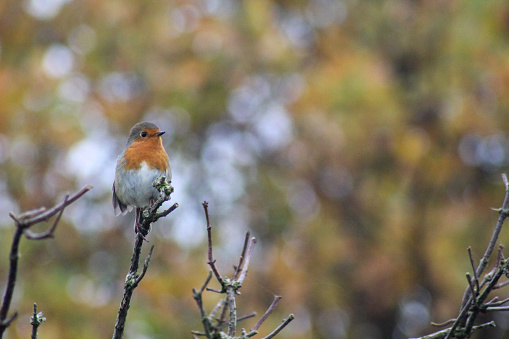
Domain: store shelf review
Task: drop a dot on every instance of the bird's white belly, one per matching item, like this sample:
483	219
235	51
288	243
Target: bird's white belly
140	183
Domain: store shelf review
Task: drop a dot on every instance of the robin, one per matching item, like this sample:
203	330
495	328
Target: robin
142	161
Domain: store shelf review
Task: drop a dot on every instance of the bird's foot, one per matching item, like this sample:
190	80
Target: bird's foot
139	229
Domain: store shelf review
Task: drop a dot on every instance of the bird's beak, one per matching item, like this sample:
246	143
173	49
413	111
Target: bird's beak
160	133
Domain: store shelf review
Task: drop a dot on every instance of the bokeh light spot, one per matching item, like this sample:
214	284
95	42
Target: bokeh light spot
58	61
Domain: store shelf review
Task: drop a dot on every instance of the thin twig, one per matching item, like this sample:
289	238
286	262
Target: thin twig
444	333
461	316
197	295
271	308
242	256
220	304
445	323
280	327
166	212
210	289
497	308
471	285
54	210
476	278
243	273
479	301
222	316
494	302
212	261
27	215
145	266
500	285
50	232
246	316
5	323
36	320
503	213
209	277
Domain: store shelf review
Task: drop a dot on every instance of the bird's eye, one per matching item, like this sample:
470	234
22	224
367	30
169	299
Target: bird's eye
143	134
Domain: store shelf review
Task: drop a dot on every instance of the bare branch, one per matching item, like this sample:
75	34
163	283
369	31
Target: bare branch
197	295
470	305
503	213
470	284
50	232
36	320
23	222
247	316
497	308
271	308
145	266
133	278
227	306
220	305
476	278
280	327
495	302
27	215
166	212
444	333
232	306
5	323
242	256
54	210
243	273
445	323
502	284
212	261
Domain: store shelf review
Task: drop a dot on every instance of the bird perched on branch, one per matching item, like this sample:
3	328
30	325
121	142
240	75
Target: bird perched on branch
141	162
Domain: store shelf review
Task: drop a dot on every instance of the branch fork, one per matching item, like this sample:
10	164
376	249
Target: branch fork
213	325
476	294
23	223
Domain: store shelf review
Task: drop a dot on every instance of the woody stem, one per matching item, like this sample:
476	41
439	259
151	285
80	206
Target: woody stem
133	278
129	287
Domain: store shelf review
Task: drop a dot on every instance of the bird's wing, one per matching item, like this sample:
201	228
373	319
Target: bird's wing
118	206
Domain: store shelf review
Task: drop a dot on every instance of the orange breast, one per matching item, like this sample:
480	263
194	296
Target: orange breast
150	150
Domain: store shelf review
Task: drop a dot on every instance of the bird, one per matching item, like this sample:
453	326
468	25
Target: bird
143	160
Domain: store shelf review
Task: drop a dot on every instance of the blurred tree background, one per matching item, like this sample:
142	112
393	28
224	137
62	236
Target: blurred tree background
361	142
